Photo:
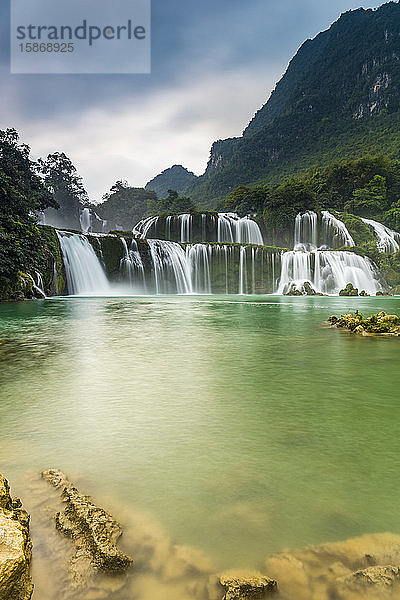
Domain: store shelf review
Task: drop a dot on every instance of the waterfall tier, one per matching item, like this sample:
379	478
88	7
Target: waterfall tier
325	231
387	240
328	272
84	272
201	227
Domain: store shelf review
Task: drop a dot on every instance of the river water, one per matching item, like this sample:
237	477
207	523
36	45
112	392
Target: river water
244	425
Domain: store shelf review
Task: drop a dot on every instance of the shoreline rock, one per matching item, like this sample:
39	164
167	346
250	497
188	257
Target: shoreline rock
15	547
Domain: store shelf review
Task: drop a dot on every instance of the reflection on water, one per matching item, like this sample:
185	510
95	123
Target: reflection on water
244	427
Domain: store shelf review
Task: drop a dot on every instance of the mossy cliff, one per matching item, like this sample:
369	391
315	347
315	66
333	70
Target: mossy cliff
47	261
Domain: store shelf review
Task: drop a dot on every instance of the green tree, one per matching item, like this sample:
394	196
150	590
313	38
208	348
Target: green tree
245	200
369	200
22	197
62	180
125	205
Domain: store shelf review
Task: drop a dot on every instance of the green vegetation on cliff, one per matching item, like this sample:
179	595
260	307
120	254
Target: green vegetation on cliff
369	186
340	96
24	248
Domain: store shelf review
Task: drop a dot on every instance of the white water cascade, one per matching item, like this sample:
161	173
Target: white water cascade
131	264
305	231
228	228
336	230
170	267
238	230
84	272
387	240
85	219
327	272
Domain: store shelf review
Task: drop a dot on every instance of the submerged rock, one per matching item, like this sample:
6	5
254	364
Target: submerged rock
347	570
94	531
240	586
15	547
377	577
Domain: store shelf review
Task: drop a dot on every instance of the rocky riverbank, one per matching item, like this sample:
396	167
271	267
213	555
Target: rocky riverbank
15	547
76	558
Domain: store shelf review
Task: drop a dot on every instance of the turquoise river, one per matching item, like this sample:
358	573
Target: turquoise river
244	425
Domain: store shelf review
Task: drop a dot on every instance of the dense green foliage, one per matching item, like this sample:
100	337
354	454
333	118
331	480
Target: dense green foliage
124	206
175	178
174	204
369	186
62	180
22	196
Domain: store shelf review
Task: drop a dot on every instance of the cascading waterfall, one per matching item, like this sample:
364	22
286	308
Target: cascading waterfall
332	225
198	258
233	229
186	227
131	264
326	271
83	269
387	240
170	267
142	229
228	228
85	219
305	231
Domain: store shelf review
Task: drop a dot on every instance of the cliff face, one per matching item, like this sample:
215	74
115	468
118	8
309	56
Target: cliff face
339	98
15	547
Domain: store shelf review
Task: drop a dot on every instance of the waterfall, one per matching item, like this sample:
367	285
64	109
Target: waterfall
187	228
170	267
305	231
387	240
131	264
85	219
143	228
83	269
102	221
336	231
232	228
242	271
198	258
328	272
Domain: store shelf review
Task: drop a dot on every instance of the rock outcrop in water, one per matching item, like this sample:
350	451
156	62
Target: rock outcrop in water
245	587
94	532
380	324
15	547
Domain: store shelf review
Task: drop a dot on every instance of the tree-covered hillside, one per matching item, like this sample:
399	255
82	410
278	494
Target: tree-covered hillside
175	178
340	97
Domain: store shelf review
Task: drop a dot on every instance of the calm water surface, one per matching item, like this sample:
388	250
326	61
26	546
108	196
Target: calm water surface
243	424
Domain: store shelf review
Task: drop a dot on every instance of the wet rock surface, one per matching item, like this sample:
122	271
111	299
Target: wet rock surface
94	531
355	569
379	324
15	547
239	586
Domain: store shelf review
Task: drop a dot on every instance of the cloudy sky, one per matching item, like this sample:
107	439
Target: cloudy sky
214	63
